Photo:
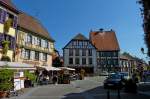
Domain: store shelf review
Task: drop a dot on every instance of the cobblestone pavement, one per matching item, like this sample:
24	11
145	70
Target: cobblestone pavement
90	88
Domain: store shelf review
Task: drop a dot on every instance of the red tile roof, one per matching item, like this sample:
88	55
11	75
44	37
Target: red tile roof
31	24
8	4
104	40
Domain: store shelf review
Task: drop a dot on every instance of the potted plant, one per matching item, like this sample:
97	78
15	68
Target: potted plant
82	74
6	82
31	77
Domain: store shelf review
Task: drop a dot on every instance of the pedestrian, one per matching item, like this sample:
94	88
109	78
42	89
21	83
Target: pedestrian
55	79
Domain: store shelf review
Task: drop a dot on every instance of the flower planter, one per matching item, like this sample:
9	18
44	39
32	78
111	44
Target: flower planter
3	94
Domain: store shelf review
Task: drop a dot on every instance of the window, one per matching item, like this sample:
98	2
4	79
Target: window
70	52
77	61
83	52
90	52
77	52
29	38
9	17
102	54
90	61
70	60
103	61
115	54
44	56
38	41
1	15
115	62
83	61
80	43
36	55
45	44
27	54
74	43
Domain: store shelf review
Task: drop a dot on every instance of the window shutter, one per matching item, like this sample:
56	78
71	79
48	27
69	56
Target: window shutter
15	22
1	15
47	57
32	55
41	56
12	43
4	15
36	41
42	43
23	53
33	38
1	39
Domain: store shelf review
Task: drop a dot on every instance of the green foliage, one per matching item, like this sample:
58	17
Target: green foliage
31	76
57	62
7	25
5	45
5	58
6	76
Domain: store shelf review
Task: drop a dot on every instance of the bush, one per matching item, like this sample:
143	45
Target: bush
31	76
5	58
6	76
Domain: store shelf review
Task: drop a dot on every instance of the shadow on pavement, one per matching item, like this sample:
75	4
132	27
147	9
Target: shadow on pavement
100	93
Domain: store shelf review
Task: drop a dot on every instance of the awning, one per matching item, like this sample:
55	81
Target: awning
66	68
50	68
16	65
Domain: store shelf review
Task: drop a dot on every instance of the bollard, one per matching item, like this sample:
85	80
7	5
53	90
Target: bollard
108	94
119	94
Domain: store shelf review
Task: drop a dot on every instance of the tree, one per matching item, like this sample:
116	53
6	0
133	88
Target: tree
57	62
145	12
6	76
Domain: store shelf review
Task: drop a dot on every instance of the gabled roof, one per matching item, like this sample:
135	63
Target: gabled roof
9	5
104	40
31	24
79	37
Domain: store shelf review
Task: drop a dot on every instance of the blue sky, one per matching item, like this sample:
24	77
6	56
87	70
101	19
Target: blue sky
65	18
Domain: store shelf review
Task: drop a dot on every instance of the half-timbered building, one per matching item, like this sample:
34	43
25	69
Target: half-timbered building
107	48
34	44
79	53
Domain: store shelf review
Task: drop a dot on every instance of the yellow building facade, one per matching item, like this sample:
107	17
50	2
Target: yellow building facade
34	46
8	12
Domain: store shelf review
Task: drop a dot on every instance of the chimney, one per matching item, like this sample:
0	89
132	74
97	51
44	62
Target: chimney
101	29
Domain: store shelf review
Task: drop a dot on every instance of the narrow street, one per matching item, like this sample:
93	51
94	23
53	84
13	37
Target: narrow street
90	88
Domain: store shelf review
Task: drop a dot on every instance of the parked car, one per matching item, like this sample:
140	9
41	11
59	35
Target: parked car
113	81
125	75
104	73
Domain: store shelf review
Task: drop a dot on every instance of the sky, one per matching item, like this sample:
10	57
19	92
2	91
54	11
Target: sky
66	18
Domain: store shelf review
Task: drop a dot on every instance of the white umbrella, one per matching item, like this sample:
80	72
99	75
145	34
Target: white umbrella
50	68
16	65
71	69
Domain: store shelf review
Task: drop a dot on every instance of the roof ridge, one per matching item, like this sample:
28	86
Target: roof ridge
80	36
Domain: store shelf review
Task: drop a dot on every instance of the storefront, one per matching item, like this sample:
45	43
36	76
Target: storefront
19	69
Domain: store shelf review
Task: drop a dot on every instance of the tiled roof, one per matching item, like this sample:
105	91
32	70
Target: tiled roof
9	5
30	23
104	40
79	37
